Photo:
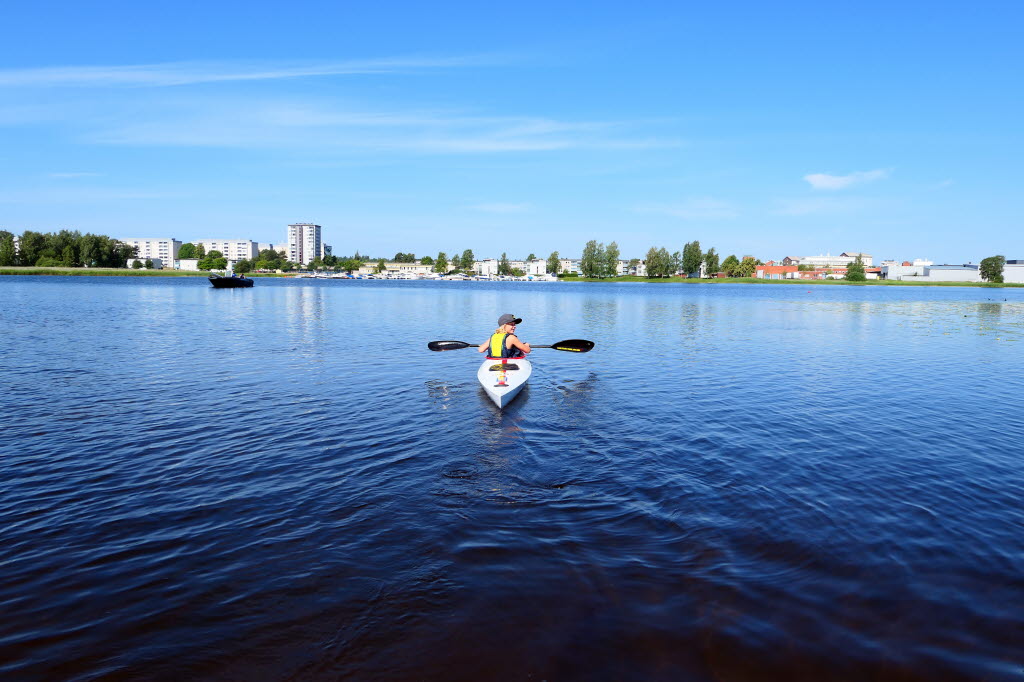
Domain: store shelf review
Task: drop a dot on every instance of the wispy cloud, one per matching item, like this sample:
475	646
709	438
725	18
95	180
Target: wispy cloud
500	208
827	181
192	73
266	124
693	209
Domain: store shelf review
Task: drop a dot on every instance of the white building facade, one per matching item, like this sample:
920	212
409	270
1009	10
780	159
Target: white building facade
164	249
830	261
233	249
305	242
536	267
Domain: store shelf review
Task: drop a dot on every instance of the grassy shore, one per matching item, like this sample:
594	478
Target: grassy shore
116	272
799	282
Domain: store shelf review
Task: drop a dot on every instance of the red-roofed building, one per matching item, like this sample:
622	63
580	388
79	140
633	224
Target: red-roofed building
776	271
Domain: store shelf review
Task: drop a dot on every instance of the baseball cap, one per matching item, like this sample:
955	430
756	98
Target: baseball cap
509	319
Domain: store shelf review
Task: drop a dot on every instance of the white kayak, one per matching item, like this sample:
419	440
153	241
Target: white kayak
503	378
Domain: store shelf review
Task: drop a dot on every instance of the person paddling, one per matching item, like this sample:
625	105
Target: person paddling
503	342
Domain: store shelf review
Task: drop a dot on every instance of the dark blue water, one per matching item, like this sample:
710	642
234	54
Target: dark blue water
739	482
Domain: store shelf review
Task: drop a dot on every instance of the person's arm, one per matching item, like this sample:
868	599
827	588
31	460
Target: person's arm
514	342
483	346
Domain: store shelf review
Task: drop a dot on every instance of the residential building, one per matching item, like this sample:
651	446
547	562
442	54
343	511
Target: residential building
164	249
536	267
568	266
488	267
304	242
326	250
233	249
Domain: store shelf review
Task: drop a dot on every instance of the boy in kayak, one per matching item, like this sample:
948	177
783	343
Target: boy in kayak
503	342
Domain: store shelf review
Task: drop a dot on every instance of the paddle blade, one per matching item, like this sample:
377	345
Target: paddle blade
447	345
571	345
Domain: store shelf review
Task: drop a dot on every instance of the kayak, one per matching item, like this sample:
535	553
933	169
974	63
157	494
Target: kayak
503	378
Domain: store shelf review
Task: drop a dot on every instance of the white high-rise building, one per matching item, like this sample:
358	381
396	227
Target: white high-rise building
233	249
304	242
164	249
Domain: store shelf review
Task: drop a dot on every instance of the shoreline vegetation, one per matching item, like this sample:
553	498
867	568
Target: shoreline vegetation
129	272
117	272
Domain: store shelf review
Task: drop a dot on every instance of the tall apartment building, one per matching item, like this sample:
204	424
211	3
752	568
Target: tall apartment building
233	249
304	242
164	249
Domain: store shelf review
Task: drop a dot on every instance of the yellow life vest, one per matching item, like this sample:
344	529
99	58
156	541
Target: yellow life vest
498	348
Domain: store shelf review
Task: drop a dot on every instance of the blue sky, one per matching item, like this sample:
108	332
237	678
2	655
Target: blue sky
804	128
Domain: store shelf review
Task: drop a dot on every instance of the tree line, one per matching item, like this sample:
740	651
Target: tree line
599	260
66	248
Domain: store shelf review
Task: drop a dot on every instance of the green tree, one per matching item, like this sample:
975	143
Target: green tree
855	271
503	267
517	272
592	261
188	250
200	252
468	259
711	265
30	247
676	263
747	267
651	262
611	260
149	263
243	266
441	263
8	254
69	256
731	265
531	257
554	264
426	260
659	262
136	264
692	258
214	260
381	266
633	264
991	269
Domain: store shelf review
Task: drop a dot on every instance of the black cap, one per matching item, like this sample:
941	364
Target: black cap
508	319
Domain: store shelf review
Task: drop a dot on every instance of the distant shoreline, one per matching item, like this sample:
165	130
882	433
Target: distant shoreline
816	282
127	272
117	272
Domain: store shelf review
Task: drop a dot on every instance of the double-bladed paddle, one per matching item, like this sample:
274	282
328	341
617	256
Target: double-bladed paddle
571	345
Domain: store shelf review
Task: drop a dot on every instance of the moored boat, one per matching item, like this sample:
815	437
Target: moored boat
233	282
504	378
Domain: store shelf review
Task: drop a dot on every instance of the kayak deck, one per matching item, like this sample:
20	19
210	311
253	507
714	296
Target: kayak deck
503	378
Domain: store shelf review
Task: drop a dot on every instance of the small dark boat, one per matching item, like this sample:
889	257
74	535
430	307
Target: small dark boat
233	282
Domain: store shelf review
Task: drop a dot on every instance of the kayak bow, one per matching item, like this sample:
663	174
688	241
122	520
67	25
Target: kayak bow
503	378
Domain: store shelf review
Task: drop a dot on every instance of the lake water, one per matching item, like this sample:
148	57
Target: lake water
739	482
